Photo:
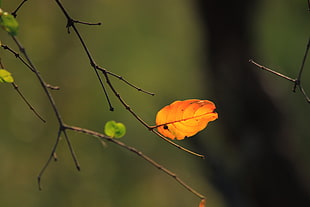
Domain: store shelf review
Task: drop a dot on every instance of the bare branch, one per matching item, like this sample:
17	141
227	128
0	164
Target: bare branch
272	71
139	153
71	23
298	80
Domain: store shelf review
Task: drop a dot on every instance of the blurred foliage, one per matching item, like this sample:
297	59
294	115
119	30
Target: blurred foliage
155	45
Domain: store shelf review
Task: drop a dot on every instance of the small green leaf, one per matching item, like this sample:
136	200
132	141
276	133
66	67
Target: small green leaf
9	23
5	76
114	129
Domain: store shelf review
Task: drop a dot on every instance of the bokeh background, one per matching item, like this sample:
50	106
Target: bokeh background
258	149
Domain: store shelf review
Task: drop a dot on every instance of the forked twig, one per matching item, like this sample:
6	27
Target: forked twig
55	109
71	23
297	81
52	155
124	80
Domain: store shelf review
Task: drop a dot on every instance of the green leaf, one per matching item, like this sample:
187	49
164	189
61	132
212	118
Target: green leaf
114	129
9	23
5	76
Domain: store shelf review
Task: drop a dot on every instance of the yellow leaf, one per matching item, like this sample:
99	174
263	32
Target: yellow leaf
5	76
185	118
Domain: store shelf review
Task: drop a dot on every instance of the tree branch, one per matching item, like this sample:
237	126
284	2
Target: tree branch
137	152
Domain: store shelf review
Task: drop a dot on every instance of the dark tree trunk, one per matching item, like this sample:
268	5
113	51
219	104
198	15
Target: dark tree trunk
252	121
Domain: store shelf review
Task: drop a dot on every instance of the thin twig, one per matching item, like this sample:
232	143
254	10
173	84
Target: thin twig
74	157
124	80
14	13
71	23
304	93
298	80
24	98
52	155
139	153
87	23
178	146
272	71
17	56
27	102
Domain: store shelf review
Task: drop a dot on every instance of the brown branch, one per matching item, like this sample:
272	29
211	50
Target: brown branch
54	107
297	82
272	71
139	153
71	23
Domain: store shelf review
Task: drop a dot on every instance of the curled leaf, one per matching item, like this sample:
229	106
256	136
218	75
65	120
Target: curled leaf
114	129
9	23
5	76
185	118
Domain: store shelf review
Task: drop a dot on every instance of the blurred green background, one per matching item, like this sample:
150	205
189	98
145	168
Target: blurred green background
156	45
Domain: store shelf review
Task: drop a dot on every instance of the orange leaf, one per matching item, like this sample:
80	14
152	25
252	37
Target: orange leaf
185	118
202	203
